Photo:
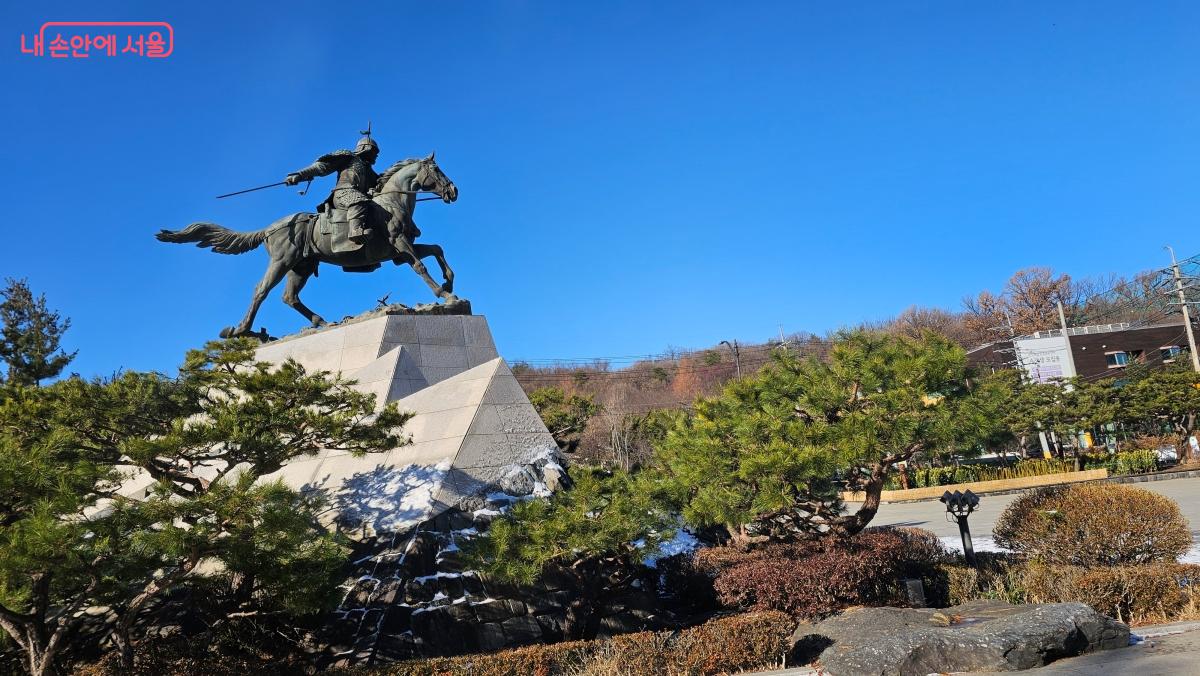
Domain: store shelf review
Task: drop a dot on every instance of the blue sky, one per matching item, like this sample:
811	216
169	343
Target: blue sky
633	175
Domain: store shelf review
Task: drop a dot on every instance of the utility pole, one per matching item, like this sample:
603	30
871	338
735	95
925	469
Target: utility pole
737	355
1062	318
1187	317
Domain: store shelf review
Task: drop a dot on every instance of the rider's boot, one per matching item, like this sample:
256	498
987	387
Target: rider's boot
357	215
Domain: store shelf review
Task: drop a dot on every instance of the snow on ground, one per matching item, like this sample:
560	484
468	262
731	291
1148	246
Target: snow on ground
987	544
982	544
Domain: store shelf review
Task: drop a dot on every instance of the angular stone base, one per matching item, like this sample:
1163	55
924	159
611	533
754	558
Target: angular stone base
474	429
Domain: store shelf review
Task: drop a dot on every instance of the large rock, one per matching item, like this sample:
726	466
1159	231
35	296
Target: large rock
977	636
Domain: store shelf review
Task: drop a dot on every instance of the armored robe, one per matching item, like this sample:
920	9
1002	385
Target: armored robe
355	178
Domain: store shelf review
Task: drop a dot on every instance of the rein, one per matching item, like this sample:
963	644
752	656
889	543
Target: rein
413	192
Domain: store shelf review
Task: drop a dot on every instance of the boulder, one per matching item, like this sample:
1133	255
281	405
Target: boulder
554	478
552	625
522	630
976	636
492	611
490	636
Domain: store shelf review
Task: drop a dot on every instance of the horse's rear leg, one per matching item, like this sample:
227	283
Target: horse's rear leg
296	279
271	277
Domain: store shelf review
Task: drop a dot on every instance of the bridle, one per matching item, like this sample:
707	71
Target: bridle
419	179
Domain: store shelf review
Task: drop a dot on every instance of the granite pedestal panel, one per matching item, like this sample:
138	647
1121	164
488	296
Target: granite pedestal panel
473	431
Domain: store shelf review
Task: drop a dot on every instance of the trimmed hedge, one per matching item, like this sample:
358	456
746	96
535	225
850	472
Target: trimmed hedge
1094	525
812	580
751	641
1125	462
924	477
186	658
725	645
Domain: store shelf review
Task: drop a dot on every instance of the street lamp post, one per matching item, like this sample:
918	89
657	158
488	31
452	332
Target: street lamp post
960	505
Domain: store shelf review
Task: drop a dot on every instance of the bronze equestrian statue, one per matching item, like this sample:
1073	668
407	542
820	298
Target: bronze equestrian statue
367	220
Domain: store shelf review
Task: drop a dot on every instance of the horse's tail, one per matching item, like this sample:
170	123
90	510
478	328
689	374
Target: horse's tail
219	239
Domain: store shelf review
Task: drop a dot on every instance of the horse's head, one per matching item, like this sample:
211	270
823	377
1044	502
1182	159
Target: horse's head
430	178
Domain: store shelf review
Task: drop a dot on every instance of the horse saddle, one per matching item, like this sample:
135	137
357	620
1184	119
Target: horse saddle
333	230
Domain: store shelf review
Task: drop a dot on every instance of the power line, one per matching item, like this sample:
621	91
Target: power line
1130	299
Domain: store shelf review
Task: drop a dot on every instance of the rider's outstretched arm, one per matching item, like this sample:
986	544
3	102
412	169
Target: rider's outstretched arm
324	166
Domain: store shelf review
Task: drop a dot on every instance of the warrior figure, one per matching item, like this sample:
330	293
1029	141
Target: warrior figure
354	181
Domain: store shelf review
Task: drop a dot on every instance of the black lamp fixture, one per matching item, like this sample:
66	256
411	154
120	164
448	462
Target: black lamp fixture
960	505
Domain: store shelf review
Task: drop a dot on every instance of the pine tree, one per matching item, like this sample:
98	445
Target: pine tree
1168	395
592	535
30	335
565	415
204	441
763	458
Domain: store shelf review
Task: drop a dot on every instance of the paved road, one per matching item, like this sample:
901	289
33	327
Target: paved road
931	515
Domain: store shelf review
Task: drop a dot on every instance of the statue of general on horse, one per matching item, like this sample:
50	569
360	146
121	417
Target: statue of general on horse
366	220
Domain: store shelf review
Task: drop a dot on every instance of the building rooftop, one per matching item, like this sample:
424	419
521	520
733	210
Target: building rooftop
1099	328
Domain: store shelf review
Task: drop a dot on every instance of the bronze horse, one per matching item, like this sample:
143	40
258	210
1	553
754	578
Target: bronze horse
297	243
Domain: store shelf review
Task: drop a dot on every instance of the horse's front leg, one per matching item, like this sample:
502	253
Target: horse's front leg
427	250
404	247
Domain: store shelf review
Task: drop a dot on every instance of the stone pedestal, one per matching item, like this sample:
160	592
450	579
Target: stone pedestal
474	430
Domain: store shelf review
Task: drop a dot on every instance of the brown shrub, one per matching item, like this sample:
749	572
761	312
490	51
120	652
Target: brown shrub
186	658
538	660
1094	525
1155	592
724	645
815	579
995	576
738	643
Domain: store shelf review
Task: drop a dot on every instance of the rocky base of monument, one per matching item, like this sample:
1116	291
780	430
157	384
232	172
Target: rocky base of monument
977	636
409	594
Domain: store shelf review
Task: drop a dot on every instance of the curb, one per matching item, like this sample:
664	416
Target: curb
1128	479
1155	476
1160	630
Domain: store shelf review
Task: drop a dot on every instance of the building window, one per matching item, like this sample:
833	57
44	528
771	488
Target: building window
1170	352
1116	360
